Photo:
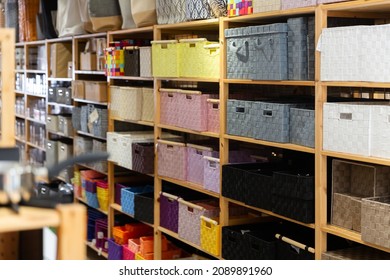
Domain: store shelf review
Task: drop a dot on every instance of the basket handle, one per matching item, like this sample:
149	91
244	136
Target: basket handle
214	101
202	148
166	142
211	158
208	220
295	243
260	45
191	205
237	51
185	91
171	196
346	116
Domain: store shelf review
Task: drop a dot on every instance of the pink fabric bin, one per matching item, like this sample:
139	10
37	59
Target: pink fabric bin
195	165
292	4
169	114
172	159
213	115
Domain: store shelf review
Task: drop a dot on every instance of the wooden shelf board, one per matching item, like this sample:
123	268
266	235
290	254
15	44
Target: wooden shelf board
201	80
276	83
59	104
35	121
176	236
118	208
35	43
58	40
272	14
90	167
98	251
19	70
356	84
59	79
131	31
90	102
270	213
35	146
287	146
20	116
350	235
31	71
19	92
20	139
136	122
86	203
175	128
117	164
59	134
130	78
90	135
88	36
207	24
190	185
28	218
86	72
380	161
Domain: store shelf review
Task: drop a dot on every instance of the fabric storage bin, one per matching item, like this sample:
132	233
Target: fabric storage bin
239	7
143	157
169	211
65	125
147	105
145	57
266	6
113	140
63	96
102	194
100	125
147	244
128	197
60	55
82	145
239	118
213	115
134	245
355	253
171	11
288	4
52	94
52	153
293	195
302	126
375	221
298	48
380	132
346	127
132	61
272	121
198	9
76	118
172	159
65	151
169	106
352	181
199	58
210	235
192	109
195	164
165	58
52	123
126	103
92	199
96	91
144	207
189	218
211	180
115	251
295	245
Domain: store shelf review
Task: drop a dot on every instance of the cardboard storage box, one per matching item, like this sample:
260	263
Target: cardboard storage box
88	61
96	91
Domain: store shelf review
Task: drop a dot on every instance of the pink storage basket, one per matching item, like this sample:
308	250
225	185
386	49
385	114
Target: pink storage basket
134	245
189	218
192	108
213	115
169	106
292	4
195	165
127	254
172	159
331	1
211	174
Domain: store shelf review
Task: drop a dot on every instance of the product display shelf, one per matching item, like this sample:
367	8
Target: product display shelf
50	79
276	83
90	135
20	116
35	121
35	146
20	139
59	104
87	72
375	9
19	92
77	100
29	71
99	251
86	203
92	168
190	185
130	78
59	134
131	170
146	123
190	131
118	208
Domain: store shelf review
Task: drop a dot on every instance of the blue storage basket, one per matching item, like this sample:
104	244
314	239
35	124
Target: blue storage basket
127	197
92	199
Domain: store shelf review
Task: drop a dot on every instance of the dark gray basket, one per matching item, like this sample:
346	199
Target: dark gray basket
100	126
239	117
76	118
311	41
302	126
84	119
271	121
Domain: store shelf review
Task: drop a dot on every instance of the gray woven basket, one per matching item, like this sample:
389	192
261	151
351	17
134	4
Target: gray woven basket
239	117
302	126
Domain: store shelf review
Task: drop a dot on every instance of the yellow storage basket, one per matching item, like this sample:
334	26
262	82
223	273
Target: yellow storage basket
210	235
165	58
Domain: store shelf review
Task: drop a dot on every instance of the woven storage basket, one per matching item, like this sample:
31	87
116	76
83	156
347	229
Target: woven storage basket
76	118
211	178
170	11
239	118
100	126
239	7
169	211
100	232
288	4
331	1
302	126
351	182
52	123
199	58
189	218
192	109
266	6
172	159
273	121
127	253
213	115
356	253
144	207
380	131
82	145
114	250
132	61
165	58
210	235
195	165
147	104
128	195
293	195
143	157
102	194
126	103
198	9
376	220
169	106
145	57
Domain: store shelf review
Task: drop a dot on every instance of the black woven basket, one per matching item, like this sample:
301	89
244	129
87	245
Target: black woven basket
144	207
259	188
132	66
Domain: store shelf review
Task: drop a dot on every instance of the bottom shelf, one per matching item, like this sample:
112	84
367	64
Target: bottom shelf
98	251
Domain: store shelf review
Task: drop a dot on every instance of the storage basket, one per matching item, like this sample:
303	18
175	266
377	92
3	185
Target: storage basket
115	251
128	197
239	118
96	91
211	178
239	7
143	157
52	152
65	151
169	106
302	126
331	1
380	131
100	233
210	235
126	103
213	112
127	253
144	207
122	234
172	159
147	105
76	118
102	194
134	245
126	144
266	6
375	220
65	125
197	9
115	62
92	199
293	195
169	211
189	218
171	11
100	125
145	54
78	89
195	165
132	61
52	123
165	58
295	246
356	253
147	243
288	4
199	58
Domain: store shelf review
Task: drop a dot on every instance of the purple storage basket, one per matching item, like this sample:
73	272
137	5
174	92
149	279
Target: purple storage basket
114	250
195	165
101	232
118	193
168	109
172	159
90	186
143	157
211	174
292	4
169	211
213	115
